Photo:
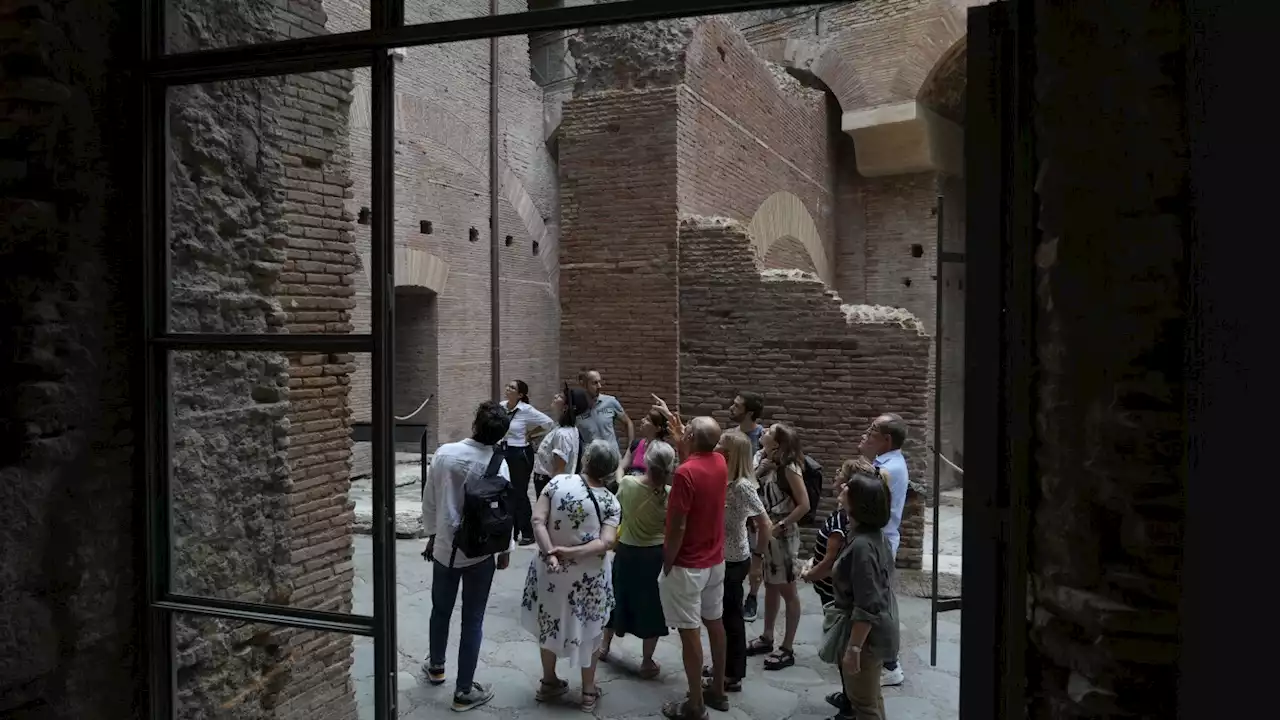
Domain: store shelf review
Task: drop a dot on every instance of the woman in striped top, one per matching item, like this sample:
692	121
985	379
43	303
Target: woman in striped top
828	543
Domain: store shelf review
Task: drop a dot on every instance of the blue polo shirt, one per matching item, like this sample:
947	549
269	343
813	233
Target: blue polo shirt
597	422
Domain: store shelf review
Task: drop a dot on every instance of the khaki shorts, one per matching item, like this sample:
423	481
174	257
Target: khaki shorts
690	596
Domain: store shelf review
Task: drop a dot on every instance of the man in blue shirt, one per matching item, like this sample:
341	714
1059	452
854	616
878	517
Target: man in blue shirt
882	444
603	414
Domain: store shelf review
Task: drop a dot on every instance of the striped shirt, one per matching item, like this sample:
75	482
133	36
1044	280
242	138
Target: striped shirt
837	524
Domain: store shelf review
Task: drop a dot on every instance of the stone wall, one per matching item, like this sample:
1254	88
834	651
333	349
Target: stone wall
1109	510
827	368
259	176
70	324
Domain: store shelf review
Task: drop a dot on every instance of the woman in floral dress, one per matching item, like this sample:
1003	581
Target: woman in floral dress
568	593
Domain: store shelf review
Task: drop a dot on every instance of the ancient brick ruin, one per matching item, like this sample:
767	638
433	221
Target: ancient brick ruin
667	209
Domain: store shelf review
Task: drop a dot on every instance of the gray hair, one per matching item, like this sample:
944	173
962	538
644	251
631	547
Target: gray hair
600	460
660	462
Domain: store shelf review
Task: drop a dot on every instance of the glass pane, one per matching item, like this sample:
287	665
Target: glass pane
267	491
233	670
262	210
209	24
429	11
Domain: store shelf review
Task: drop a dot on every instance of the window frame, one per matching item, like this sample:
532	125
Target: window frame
988	558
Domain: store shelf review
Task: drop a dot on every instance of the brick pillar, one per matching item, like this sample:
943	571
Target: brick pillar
618	278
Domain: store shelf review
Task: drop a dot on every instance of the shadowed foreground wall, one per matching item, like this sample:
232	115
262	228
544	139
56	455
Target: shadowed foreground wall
1108	521
69	642
826	368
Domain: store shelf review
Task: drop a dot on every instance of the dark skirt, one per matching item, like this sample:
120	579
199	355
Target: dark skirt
637	609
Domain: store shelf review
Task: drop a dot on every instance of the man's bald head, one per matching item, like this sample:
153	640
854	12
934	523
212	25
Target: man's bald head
704	433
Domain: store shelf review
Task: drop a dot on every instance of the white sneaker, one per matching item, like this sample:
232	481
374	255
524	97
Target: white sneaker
892	678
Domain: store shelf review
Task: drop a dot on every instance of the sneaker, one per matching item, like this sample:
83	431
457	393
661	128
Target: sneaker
749	610
435	674
525	541
892	678
474	698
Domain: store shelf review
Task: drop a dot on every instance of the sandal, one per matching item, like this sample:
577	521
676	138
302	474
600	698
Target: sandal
680	710
759	646
719	702
779	659
730	684
551	690
590	699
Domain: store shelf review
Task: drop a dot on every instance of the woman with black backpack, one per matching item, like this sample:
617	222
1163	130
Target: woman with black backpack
786	500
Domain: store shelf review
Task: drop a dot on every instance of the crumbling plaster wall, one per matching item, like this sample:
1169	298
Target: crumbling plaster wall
442	176
827	368
1109	504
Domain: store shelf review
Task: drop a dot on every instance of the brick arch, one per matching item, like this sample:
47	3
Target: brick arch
417	269
943	89
929	46
788	253
833	68
783	215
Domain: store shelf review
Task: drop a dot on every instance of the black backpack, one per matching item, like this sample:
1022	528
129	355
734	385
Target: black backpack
811	472
487	517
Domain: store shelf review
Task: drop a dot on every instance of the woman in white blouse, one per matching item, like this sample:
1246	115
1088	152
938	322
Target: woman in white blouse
526	423
559	451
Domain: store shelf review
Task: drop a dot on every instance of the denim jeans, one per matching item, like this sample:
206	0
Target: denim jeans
476	581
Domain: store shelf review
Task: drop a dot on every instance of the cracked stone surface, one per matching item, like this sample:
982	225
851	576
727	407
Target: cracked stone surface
509	660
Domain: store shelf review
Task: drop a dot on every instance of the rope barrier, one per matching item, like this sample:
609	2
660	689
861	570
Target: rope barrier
415	412
954	466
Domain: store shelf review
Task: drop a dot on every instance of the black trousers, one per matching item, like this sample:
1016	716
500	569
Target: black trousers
735	628
520	465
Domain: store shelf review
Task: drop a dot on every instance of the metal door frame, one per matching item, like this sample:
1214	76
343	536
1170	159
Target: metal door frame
1000	310
369	48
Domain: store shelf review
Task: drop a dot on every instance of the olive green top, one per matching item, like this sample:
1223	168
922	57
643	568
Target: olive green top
644	512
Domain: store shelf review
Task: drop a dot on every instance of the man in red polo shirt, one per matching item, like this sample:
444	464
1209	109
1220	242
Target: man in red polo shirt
692	582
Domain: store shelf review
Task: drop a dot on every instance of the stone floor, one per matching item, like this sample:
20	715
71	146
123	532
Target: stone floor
509	660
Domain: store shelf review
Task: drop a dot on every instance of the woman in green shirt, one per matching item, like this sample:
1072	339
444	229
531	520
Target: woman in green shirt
637	560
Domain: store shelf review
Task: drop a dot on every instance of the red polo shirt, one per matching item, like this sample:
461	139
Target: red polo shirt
698	491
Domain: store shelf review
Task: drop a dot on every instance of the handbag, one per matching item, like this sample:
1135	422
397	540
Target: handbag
836	626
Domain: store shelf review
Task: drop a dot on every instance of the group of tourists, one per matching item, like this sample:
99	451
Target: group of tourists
663	531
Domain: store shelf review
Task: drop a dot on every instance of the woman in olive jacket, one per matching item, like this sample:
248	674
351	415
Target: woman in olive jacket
863	582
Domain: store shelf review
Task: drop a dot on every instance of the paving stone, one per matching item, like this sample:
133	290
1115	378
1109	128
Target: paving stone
510	661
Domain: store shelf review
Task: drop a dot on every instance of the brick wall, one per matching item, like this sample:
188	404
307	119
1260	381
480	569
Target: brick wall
747	131
618	284
1109	507
442	176
829	369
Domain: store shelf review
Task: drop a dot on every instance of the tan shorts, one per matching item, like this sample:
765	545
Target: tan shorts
780	559
690	596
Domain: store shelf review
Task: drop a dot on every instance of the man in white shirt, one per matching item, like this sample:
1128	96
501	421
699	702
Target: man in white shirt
882	444
451	467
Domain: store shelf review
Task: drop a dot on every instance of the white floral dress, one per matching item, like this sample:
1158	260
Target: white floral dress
567	610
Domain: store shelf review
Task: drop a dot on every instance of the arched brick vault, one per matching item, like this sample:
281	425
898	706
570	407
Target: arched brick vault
930	35
781	215
943	90
448	130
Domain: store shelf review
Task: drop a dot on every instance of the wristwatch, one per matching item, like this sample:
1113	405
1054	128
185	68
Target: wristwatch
757	553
